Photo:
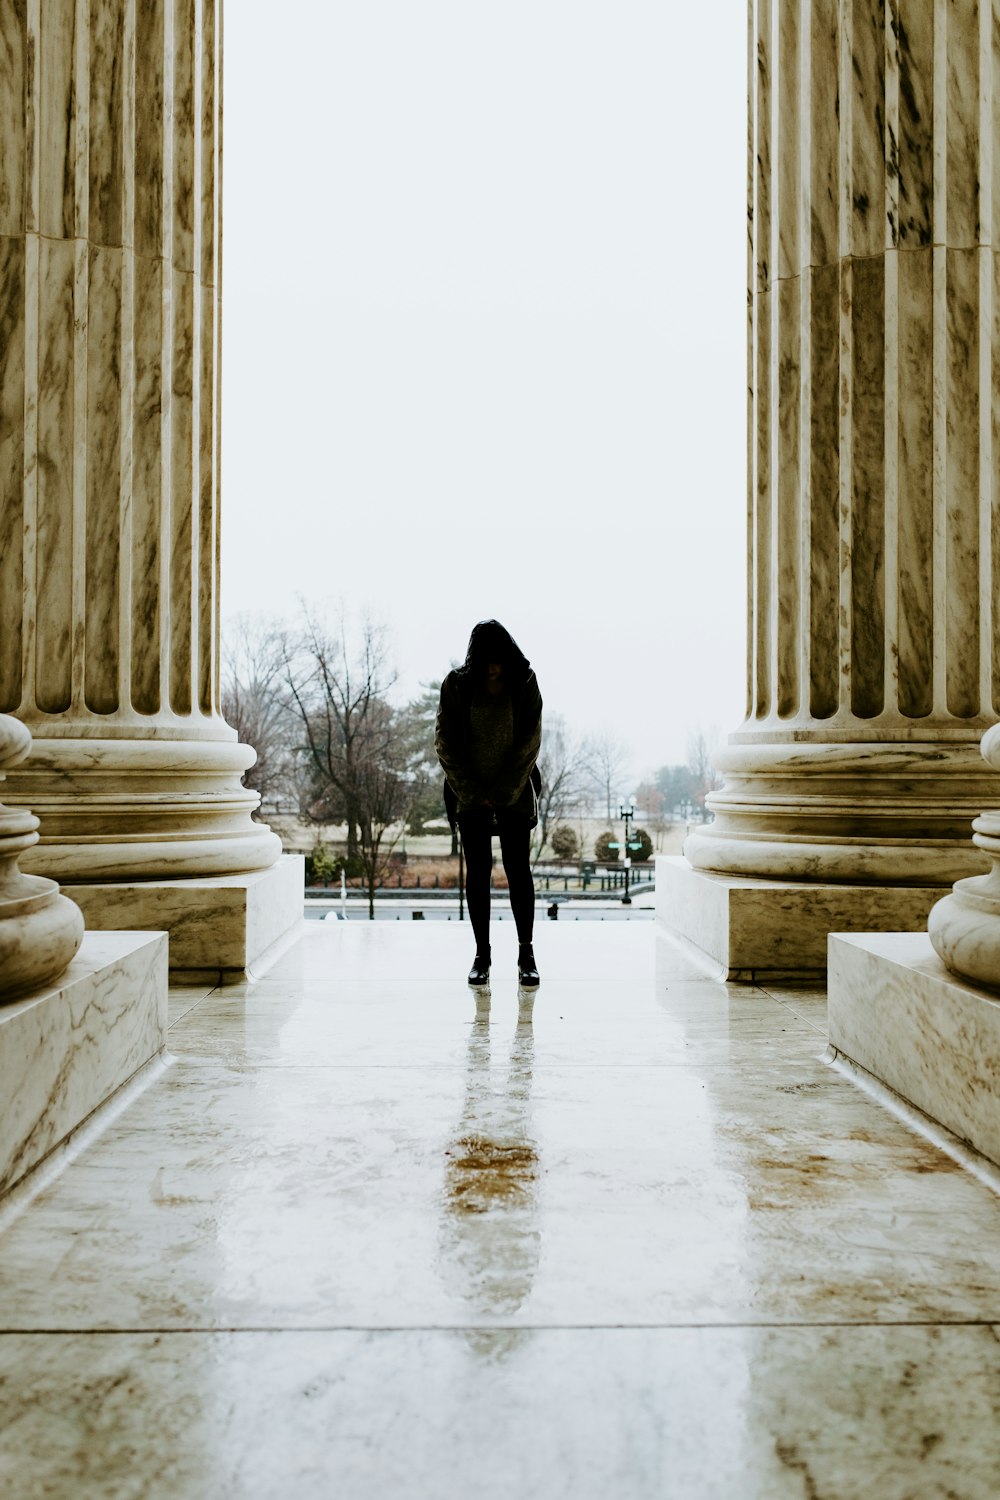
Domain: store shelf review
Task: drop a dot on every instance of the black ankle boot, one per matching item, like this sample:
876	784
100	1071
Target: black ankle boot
527	973
480	971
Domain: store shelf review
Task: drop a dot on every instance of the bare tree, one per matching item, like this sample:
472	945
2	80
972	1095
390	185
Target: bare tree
385	786
607	762
678	787
418	720
337	677
700	748
255	703
653	804
563	763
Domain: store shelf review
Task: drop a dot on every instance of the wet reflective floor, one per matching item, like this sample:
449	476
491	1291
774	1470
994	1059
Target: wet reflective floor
370	1234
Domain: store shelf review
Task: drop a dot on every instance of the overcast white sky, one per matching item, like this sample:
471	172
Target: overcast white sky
484	338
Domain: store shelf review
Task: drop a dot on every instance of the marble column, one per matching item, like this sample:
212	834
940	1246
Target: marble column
40	930
874	441
110	181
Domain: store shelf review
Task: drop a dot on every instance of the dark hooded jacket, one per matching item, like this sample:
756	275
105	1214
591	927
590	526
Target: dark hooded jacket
516	783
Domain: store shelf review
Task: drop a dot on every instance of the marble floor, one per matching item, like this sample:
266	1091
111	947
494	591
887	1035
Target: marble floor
358	1238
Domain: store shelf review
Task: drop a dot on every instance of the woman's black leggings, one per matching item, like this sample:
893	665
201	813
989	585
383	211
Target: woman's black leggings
515	844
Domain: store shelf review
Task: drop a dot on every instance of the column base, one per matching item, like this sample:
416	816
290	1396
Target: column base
141	809
882	812
896	1011
777	928
221	928
66	1047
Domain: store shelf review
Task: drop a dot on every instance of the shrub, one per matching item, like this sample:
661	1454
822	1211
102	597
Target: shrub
601	850
640	836
322	865
565	843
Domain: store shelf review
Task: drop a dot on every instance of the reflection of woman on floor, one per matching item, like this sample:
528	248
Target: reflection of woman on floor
489	728
490	1237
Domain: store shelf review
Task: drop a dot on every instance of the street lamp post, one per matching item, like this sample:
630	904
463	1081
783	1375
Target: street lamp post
626	812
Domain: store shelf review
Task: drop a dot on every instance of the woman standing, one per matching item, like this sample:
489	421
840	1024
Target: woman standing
489	729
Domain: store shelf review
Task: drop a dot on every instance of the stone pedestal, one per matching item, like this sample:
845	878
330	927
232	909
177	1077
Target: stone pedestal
874	280
66	1047
895	1010
40	930
965	927
758	929
109	444
220	929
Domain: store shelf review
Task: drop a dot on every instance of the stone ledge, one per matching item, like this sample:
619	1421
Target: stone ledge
68	1046
896	1011
220	928
776	928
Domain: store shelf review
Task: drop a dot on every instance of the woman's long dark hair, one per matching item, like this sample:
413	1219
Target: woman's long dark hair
491	641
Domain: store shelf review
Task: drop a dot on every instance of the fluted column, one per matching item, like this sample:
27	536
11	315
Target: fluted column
874	440
110	223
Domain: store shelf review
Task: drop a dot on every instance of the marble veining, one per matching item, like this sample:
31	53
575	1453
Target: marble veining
915	484
147	487
58	143
224	925
12	309
788	185
150	89
964	687
66	1046
933	1038
913	38
863	118
13	46
871	614
108	351
966	157
57	438
105	144
184	144
762	927
210	144
102	548
693	1412
183	479
649	1232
